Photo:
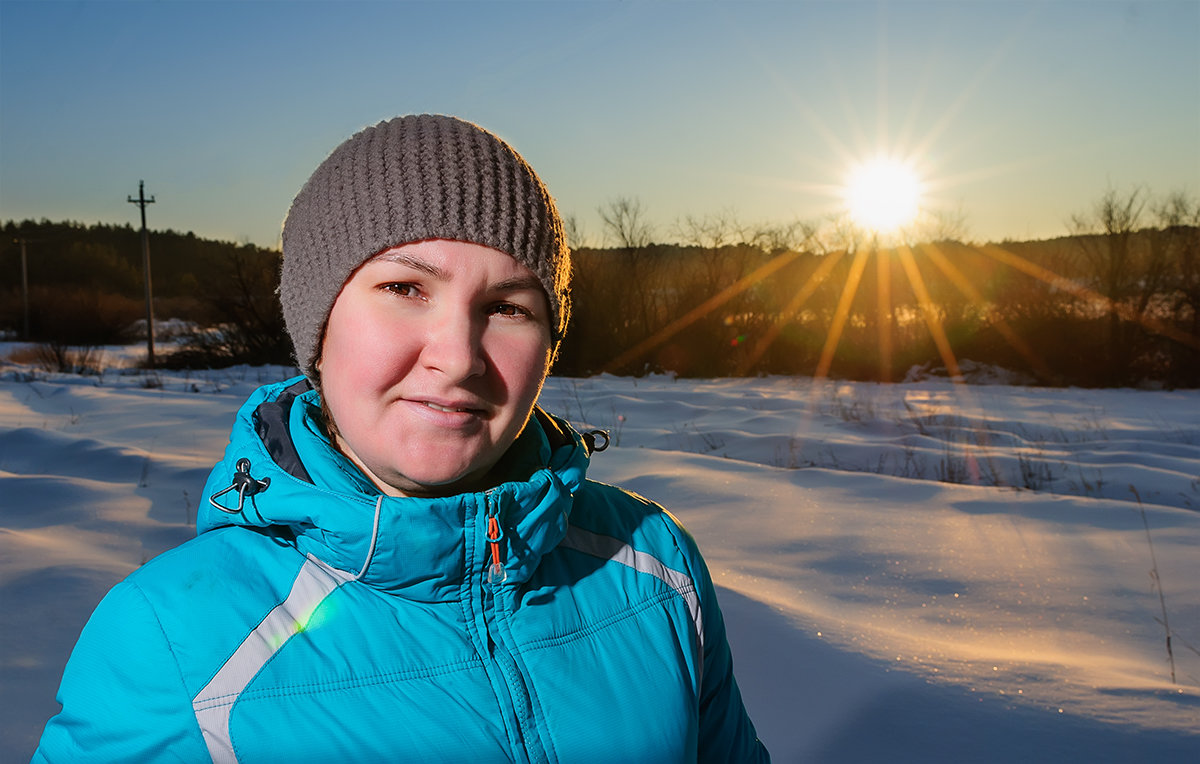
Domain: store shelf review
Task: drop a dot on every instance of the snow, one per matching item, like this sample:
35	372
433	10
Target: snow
911	572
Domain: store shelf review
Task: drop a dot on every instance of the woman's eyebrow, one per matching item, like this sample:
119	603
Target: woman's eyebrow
514	284
424	267
517	284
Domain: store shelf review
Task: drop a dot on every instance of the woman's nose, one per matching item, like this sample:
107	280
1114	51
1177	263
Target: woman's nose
453	346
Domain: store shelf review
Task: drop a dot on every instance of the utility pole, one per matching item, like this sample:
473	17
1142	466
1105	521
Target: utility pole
24	291
141	202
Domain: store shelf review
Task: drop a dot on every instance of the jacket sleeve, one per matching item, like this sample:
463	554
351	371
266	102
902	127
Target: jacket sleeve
726	732
122	694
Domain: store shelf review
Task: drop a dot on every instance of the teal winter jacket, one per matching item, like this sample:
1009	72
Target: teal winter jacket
548	619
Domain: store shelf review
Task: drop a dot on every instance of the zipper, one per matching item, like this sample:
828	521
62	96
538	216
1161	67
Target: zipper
494	576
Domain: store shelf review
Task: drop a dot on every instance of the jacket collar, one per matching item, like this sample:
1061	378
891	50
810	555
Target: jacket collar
425	549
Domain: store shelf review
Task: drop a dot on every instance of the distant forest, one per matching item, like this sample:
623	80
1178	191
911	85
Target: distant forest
85	288
1113	304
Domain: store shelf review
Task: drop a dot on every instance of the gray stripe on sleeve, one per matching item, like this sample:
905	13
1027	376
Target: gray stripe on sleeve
213	704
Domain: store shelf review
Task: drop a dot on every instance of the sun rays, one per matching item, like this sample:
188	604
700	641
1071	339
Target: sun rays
883	196
911	259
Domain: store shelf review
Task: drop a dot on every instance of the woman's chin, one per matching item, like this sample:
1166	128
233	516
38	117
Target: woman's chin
431	483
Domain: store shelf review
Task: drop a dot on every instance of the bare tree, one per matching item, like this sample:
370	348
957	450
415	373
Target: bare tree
625	222
842	233
711	231
640	303
1128	277
710	235
242	289
774	239
945	225
577	236
1178	217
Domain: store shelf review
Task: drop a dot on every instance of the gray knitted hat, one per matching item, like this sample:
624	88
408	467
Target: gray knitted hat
409	179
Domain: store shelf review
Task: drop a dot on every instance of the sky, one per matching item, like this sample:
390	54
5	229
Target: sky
1016	114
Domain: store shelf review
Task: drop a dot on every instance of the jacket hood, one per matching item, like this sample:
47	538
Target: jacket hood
285	476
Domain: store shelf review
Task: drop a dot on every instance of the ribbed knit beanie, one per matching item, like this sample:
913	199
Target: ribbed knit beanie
410	179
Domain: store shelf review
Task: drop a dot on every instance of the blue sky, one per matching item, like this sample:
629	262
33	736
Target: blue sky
1018	114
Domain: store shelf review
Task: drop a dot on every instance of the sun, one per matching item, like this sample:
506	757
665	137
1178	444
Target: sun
883	194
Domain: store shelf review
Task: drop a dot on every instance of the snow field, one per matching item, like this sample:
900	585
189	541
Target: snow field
912	572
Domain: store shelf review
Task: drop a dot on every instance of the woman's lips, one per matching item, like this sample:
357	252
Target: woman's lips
450	413
447	409
452	407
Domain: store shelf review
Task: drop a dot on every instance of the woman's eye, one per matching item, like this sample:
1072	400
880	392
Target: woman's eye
401	289
509	309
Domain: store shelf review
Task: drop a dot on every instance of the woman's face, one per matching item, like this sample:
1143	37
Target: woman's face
433	357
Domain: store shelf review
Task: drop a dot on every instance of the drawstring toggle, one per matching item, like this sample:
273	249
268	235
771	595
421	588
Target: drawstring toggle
243	484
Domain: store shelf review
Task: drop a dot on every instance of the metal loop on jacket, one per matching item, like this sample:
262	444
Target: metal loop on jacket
243	484
591	437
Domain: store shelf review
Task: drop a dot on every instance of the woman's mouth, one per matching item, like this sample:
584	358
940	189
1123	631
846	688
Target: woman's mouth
451	409
447	409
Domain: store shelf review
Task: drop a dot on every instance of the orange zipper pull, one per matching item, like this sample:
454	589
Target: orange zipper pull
496	573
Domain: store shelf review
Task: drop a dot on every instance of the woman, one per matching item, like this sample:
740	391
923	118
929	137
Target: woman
400	557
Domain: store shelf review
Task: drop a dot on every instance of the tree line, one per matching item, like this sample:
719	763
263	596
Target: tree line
1114	302
85	288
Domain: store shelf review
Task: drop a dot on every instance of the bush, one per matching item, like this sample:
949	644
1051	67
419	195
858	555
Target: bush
56	357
